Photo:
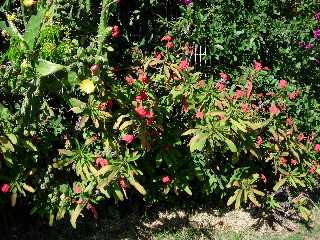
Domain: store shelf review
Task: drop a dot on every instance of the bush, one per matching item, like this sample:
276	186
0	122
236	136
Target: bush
93	117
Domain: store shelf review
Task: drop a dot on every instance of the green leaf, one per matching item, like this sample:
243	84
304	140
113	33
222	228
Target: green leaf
33	28
279	184
187	190
30	145
190	131
119	120
198	142
231	145
46	68
137	186
253	199
75	214
12	138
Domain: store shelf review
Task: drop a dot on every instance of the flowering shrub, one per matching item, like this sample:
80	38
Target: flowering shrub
79	124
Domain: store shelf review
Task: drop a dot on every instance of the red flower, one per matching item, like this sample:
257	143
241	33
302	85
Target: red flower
282	84
115	31
166	38
129	80
199	115
141	111
143	77
184	65
312	170
166	180
245	107
149	114
294	162
224	76
289	121
274	110
149	121
259	140
101	162
283	161
220	86
317	148
301	137
128	138
239	94
77	189
5	188
169	45
142	96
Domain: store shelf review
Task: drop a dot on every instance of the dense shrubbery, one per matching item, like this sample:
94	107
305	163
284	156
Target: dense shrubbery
87	115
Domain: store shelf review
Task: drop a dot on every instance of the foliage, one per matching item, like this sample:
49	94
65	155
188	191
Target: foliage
86	118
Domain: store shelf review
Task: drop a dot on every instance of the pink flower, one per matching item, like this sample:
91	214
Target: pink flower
169	45
166	180
224	76
317	148
158	56
184	65
129	80
301	137
166	38
294	162
185	104
141	111
283	161
221	116
77	189
245	107
149	114
290	121
257	66
128	138
239	94
199	115
274	110
263	178
5	188
95	69
248	88
101	162
122	183
220	86
282	84
293	95
115	31
259	140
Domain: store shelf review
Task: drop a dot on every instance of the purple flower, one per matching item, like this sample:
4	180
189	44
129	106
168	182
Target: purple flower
302	44
316	34
186	2
308	46
305	46
317	16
